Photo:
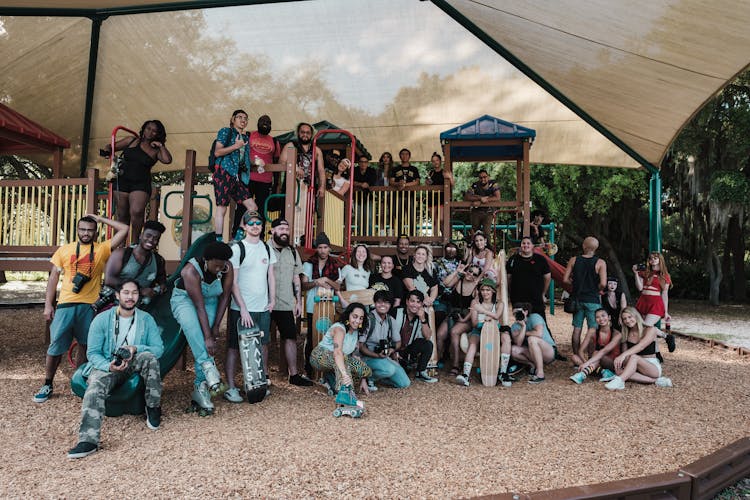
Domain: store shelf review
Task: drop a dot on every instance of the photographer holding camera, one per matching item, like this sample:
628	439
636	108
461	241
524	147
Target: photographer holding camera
531	343
81	264
378	346
123	341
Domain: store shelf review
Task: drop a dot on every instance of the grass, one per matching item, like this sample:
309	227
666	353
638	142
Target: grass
738	491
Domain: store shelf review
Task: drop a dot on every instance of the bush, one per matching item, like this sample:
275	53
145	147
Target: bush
690	280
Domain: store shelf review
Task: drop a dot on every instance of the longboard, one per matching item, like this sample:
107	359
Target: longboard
489	353
251	356
323	313
364	297
432	364
502	274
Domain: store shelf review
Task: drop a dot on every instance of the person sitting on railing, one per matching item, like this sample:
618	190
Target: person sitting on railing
536	231
483	191
133	185
386	280
356	274
385	167
340	180
406	174
479	254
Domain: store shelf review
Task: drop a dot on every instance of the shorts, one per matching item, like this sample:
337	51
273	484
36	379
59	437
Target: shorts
228	187
129	186
286	324
261	319
477	330
70	320
587	309
650	304
655	362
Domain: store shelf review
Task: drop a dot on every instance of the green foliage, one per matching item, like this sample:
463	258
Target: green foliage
690	279
729	186
14	167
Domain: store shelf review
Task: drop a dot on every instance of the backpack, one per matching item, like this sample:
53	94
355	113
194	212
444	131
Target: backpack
242	250
212	152
160	264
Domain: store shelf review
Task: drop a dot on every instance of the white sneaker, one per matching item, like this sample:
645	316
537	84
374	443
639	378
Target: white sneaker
371	386
424	377
663	382
616	384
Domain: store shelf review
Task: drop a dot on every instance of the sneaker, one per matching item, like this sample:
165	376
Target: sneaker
233	395
515	369
536	380
371	386
463	379
616	384
663	382
670	342
607	375
44	394
578	377
532	371
82	449
506	380
424	377
300	380
153	417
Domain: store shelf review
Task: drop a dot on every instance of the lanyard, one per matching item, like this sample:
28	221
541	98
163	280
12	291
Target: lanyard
117	328
78	252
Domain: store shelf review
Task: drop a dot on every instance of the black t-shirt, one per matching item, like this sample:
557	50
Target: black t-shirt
392	284
436	177
400	265
423	280
409	174
370	176
527	284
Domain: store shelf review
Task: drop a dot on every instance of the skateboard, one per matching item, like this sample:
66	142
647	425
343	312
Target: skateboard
364	297
503	286
432	365
251	356
323	313
489	353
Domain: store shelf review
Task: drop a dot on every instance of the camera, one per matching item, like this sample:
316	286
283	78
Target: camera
519	315
384	345
641	267
106	297
120	355
79	280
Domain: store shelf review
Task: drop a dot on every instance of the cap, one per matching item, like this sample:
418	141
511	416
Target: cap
488	282
279	222
251	214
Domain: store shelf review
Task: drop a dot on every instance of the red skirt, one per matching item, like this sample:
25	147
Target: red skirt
650	304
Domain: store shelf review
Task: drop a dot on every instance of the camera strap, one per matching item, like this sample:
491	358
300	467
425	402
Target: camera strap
78	253
117	329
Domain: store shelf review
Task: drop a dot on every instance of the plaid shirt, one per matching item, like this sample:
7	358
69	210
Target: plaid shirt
330	269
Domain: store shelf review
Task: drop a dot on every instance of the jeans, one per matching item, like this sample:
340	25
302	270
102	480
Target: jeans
389	371
184	312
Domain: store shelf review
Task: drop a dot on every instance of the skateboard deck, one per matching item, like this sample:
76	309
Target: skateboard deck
503	287
364	297
323	314
251	356
300	212
432	365
489	353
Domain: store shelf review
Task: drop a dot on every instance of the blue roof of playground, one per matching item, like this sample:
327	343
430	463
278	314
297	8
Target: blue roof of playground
486	127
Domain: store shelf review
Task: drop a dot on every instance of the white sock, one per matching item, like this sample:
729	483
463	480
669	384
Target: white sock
504	360
467	369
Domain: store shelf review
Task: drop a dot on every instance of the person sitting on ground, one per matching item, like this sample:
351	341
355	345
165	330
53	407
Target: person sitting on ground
415	333
478	253
379	345
141	263
340	178
386	280
463	282
133	184
334	352
482	191
654	283
199	300
638	361
601	348
356	274
531	343
484	307
122	341
614	301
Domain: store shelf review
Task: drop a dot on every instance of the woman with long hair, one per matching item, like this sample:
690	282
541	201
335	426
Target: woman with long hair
637	362
463	283
385	166
479	254
654	283
601	348
356	274
340	179
483	307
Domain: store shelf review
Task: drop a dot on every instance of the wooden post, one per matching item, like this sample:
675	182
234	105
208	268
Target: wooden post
92	177
291	187
526	189
57	162
447	190
187	202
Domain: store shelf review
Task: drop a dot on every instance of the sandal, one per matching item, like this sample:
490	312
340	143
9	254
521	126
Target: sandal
455	371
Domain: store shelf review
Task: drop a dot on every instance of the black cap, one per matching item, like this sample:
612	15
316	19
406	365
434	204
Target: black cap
279	222
322	239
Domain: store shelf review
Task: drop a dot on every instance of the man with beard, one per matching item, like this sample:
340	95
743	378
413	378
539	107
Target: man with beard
288	308
81	263
141	263
303	145
264	149
123	341
528	277
402	259
483	190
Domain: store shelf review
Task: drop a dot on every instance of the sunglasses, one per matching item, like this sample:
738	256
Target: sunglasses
253	223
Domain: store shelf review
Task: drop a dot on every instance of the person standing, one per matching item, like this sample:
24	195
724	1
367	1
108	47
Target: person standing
528	277
121	329
81	265
288	301
365	178
483	191
253	295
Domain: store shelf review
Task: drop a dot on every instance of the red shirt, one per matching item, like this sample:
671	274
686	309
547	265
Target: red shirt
267	149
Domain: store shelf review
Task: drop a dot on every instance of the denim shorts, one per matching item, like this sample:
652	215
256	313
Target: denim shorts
70	320
587	309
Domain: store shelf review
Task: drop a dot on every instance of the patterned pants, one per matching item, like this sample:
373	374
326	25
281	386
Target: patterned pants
322	359
101	384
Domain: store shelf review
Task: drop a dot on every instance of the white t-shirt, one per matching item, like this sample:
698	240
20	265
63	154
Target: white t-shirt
252	275
354	279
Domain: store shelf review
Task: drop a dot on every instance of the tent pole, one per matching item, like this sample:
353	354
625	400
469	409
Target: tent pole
96	25
654	212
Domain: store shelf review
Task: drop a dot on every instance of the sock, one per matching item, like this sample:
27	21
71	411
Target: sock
219	237
48	381
467	369
504	360
587	371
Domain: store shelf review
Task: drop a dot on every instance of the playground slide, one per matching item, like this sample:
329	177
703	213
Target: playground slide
128	398
557	270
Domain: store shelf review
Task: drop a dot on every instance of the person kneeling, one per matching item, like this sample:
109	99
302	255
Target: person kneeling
122	341
532	343
381	341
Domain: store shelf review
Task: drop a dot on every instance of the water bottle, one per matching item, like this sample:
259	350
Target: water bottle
260	164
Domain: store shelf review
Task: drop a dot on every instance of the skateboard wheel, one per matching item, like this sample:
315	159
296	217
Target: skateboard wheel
337	412
335	298
316	299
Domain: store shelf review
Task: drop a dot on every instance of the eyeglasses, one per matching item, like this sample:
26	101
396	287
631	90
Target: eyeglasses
253	223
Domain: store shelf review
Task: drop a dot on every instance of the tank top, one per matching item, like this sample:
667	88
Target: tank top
585	280
458	300
482	316
351	340
601	342
304	160
136	164
132	266
209	290
337	183
614	312
649	349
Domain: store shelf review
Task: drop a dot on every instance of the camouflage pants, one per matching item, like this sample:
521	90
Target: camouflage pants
322	359
101	384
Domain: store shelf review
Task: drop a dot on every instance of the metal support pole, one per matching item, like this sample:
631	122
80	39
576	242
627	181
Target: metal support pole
551	229
654	212
96	25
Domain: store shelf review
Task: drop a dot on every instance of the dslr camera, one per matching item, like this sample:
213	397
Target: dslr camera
384	345
519	315
79	280
106	297
120	355
641	267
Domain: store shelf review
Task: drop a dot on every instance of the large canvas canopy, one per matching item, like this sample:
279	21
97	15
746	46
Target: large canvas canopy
602	83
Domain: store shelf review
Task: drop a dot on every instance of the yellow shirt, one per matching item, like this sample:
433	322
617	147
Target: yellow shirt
65	258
